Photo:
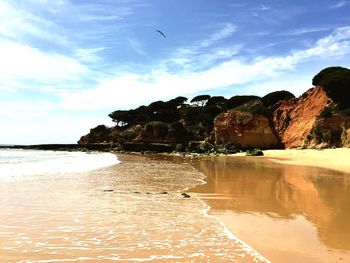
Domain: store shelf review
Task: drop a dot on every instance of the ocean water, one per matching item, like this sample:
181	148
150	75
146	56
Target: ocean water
132	211
17	163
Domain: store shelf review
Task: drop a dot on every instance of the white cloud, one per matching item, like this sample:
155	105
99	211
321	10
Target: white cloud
339	4
17	23
136	46
26	60
20	63
89	55
49	4
204	52
136	89
24	110
293	82
130	90
56	129
227	31
336	44
63	22
305	30
105	11
264	8
216	54
41	121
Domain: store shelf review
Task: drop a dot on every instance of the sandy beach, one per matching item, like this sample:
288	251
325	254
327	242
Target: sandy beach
284	207
336	159
290	205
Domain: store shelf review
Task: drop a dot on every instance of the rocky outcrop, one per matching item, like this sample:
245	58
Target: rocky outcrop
64	147
345	136
313	120
155	131
310	121
100	134
295	119
147	147
103	134
244	128
331	131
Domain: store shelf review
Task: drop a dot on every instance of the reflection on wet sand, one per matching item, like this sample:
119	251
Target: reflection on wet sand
285	212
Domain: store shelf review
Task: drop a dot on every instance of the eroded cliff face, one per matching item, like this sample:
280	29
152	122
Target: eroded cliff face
345	137
295	119
332	131
293	123
244	129
100	134
153	132
299	122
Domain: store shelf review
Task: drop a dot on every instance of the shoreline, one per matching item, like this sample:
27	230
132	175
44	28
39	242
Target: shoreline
334	159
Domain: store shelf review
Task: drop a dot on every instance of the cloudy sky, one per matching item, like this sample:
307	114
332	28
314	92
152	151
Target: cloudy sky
66	64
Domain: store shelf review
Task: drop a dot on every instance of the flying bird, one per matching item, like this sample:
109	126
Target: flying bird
160	32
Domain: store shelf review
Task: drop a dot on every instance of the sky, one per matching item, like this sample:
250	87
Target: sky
66	64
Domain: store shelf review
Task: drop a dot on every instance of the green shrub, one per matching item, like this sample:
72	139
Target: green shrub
200	100
319	77
177	102
336	82
260	109
100	129
128	135
274	97
254	152
219	101
178	131
236	101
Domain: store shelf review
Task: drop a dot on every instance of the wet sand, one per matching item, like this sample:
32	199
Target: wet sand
288	213
120	213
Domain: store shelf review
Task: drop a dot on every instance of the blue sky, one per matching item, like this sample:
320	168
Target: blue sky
66	64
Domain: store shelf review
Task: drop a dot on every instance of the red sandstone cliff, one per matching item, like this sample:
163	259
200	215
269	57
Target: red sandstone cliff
294	119
311	121
294	123
245	129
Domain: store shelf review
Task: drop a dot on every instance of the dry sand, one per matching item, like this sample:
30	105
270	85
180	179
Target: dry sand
336	159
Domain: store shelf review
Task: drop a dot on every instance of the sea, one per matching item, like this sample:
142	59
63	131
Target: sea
17	162
58	206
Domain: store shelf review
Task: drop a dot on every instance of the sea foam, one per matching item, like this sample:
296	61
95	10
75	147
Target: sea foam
16	163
